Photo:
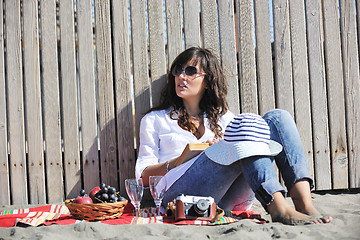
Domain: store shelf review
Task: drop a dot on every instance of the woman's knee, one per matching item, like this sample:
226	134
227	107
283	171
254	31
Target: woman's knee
279	118
278	114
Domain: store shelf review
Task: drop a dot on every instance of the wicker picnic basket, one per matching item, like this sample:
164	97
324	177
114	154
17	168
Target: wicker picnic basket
95	211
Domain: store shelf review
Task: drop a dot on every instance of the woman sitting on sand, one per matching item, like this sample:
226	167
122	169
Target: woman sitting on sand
238	164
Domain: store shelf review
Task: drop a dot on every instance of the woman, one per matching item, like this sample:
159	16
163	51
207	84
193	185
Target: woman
194	109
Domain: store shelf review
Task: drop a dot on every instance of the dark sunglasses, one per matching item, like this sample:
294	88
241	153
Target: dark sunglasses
189	70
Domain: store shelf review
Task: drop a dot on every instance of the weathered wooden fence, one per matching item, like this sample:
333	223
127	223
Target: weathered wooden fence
69	71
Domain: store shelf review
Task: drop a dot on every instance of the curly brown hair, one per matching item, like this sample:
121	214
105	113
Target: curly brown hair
213	102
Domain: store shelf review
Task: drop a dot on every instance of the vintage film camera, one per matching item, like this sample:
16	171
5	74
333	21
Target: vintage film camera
195	207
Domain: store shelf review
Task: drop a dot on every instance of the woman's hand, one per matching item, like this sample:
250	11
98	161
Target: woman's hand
212	141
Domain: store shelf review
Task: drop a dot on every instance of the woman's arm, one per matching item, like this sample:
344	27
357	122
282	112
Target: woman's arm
162	168
159	169
147	163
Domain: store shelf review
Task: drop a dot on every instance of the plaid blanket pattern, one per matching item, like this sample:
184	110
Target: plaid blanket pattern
59	214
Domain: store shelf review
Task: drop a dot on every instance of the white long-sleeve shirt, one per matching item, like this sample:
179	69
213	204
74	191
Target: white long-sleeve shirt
162	139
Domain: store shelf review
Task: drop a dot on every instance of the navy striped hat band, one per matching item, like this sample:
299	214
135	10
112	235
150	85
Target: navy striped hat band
247	127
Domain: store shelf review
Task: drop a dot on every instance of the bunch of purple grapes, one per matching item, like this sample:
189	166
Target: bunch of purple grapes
108	194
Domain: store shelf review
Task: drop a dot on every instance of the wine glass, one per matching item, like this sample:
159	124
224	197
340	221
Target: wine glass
157	189
135	188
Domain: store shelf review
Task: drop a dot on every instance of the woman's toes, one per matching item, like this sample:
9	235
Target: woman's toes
320	220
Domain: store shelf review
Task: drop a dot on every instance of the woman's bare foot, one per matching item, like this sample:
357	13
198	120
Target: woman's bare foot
281	211
301	197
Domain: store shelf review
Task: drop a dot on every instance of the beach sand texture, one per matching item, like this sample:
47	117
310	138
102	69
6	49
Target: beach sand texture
344	207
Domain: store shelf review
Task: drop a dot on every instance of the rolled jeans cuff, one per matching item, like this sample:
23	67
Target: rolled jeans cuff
300	172
266	190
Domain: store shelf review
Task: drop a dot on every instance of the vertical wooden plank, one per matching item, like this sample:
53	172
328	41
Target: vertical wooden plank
300	75
51	102
90	156
318	94
15	103
282	48
358	20
69	100
4	165
264	62
192	23
350	51
174	29
122	73
336	98
210	26
228	52
106	110
33	103
139	61
157	49
354	162
247	64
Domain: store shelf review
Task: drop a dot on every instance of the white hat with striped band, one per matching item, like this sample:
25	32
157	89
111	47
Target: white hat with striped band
246	135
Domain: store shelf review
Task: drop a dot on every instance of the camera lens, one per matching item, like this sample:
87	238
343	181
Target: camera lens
201	207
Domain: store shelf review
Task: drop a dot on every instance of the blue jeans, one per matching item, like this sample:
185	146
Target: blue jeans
235	186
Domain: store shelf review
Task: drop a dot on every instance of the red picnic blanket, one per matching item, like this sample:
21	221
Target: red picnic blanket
59	214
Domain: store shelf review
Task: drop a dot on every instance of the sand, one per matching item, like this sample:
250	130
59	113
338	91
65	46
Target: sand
344	207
